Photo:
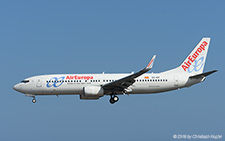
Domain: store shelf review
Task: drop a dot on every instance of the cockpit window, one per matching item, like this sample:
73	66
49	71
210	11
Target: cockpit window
25	81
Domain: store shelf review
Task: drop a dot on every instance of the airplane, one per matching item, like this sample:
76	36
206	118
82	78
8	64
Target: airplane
94	86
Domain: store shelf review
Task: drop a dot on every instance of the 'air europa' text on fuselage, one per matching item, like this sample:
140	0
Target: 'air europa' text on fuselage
79	77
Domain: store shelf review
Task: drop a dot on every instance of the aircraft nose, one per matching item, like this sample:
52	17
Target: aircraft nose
17	87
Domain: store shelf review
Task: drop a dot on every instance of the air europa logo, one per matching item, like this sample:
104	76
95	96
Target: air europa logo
197	65
55	82
192	57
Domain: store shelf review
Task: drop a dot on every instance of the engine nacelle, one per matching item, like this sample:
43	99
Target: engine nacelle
89	97
92	92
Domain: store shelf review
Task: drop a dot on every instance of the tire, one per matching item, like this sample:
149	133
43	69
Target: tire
34	100
115	98
111	101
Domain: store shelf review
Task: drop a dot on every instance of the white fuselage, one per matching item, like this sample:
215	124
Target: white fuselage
73	84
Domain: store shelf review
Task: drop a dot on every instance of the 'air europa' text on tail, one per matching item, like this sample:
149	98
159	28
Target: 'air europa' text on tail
192	58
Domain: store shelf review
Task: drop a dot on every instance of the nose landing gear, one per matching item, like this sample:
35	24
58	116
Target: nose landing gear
113	99
31	95
34	100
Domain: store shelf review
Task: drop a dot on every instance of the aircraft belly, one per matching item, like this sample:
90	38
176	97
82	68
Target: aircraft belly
151	88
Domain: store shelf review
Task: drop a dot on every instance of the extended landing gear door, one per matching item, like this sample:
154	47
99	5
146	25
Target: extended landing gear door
38	82
176	81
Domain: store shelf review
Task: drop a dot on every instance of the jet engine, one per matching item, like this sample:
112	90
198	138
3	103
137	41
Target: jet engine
92	92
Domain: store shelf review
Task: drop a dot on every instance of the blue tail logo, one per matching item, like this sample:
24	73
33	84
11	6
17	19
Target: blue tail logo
197	65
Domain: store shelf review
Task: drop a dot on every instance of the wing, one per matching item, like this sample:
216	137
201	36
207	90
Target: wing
123	83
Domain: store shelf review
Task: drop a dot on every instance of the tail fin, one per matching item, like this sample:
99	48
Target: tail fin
194	63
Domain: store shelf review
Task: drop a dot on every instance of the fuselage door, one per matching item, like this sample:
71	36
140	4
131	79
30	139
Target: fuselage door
176	81
38	82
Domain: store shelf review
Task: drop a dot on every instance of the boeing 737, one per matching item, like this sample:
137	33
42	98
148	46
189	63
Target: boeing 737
94	86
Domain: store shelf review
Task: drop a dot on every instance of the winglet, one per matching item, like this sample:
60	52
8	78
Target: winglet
150	64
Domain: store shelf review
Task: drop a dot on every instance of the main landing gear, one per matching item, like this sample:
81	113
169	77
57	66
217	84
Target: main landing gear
113	99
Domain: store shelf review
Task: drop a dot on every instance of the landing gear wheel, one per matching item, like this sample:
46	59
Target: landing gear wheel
34	100
113	99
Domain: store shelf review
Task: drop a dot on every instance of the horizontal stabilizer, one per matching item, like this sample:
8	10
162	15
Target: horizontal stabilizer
203	74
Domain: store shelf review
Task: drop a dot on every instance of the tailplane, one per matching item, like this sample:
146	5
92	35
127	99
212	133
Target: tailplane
202	75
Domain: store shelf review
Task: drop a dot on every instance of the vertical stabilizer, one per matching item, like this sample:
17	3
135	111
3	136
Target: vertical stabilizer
194	63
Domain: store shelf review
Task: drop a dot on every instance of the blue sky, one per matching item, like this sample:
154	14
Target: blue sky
46	37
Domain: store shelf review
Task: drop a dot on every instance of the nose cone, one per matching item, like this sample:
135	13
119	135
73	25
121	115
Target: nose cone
17	87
